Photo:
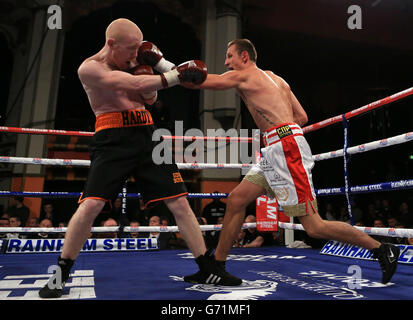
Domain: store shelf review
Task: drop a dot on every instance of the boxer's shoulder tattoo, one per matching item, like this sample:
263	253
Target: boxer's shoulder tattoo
265	118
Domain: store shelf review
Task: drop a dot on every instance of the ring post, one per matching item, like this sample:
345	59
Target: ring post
346	158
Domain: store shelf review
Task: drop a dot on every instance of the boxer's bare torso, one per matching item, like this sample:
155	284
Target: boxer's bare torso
267	96
102	97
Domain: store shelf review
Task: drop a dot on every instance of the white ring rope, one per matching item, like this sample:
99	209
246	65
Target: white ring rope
402	138
387	232
86	163
399	139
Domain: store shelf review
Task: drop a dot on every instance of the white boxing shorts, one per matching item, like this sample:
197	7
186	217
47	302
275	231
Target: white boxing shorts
285	169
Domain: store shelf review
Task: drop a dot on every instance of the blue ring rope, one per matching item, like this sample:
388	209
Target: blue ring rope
368	188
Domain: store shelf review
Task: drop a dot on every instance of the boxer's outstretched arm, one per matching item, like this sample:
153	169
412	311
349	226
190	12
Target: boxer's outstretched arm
93	74
227	80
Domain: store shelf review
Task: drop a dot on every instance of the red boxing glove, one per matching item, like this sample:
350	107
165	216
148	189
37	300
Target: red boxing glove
194	71
149	54
143	69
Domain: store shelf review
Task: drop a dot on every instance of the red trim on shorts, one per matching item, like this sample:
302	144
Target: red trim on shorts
295	167
294	135
95	198
165	198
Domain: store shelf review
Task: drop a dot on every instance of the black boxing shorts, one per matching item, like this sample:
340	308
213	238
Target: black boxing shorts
122	147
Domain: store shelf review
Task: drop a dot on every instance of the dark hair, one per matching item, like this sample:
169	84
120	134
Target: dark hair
244	45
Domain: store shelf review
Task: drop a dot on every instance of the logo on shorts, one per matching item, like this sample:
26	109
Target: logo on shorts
284	131
282	194
177	177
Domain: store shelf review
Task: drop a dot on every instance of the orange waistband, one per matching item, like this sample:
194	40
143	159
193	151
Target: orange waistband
123	119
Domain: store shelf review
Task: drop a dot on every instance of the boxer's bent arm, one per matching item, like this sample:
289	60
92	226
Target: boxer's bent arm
94	75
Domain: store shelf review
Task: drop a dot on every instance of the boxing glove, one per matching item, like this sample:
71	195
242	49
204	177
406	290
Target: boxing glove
149	54
194	71
144	69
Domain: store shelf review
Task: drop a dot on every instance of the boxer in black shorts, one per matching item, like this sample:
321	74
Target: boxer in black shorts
122	144
122	147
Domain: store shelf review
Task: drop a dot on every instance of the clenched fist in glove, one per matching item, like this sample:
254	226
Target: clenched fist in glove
193	71
150	55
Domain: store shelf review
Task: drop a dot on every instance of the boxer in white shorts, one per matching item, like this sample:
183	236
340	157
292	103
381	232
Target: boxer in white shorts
285	169
277	112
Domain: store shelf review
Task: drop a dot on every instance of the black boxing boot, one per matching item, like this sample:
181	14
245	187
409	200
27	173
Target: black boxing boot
54	287
212	271
388	256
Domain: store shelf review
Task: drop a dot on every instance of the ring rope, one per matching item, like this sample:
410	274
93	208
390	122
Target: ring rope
402	138
356	112
324	123
383	186
57	194
193	138
369	146
86	163
388	232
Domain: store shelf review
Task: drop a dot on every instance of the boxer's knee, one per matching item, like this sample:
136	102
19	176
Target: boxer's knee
91	207
316	228
179	206
236	201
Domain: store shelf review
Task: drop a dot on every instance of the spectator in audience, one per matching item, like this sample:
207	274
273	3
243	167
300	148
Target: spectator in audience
14	222
32	222
17	208
62	224
253	238
410	241
49	213
214	210
116	211
4	223
163	238
392	221
399	240
379	223
135	224
45	223
108	223
164	221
